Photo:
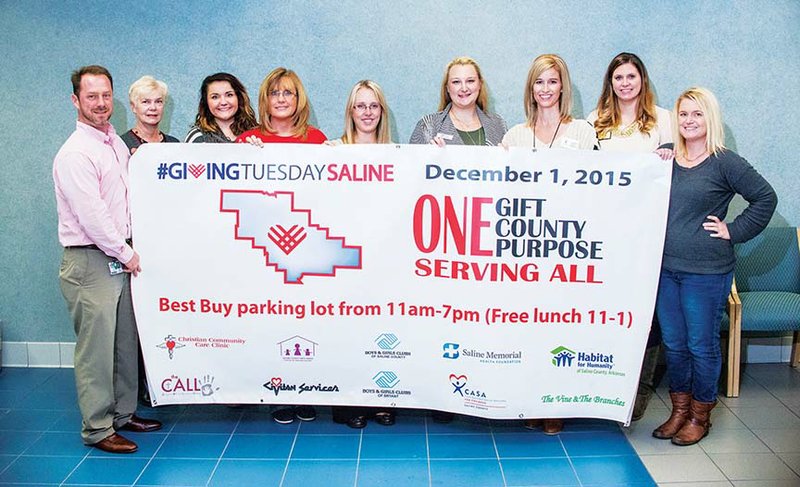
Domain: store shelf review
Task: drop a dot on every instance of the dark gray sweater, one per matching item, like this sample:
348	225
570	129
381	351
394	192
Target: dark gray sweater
707	189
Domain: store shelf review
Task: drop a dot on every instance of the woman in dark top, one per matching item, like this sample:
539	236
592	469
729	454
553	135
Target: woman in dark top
147	96
463	117
224	110
698	262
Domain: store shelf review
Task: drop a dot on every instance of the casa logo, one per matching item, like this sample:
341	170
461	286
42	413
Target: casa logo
453	351
388	347
459	383
297	349
387	382
474	398
169	344
277	385
193	386
584	362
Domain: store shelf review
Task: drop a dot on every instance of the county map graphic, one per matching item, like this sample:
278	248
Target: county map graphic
286	235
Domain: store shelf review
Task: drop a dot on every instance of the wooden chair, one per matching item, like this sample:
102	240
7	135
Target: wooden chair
765	296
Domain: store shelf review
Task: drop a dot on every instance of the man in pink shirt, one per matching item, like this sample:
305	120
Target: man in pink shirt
91	183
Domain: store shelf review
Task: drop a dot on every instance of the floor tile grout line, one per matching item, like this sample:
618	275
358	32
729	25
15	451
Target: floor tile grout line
499	463
225	448
158	448
572	465
19	455
427	450
289	456
83	459
358	455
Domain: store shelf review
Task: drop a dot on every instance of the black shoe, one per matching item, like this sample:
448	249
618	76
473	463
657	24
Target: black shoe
384	418
284	416
442	417
305	413
357	422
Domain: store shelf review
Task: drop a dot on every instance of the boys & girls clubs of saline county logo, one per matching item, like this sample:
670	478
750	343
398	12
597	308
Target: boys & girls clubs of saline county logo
584	362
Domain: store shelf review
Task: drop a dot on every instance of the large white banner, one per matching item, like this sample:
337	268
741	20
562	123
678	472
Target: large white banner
502	284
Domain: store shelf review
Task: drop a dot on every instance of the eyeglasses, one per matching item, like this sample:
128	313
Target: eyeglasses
362	107
286	94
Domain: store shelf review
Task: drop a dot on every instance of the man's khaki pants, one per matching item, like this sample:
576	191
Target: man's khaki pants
106	367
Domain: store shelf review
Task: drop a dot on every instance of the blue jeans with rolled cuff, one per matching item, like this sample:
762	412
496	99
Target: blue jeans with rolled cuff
689	307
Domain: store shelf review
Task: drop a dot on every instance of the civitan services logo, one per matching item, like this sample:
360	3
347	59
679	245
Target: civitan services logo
170	343
195	386
473	397
277	385
297	349
584	362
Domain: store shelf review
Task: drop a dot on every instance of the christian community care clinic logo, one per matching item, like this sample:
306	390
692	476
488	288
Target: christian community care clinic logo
170	343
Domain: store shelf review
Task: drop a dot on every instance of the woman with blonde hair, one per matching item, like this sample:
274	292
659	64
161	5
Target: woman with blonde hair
283	111
463	117
698	261
223	112
147	96
366	116
548	109
627	120
366	121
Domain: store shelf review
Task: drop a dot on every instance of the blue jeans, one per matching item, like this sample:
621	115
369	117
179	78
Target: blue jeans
689	307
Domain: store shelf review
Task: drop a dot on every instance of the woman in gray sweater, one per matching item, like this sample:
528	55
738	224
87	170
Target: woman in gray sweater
698	262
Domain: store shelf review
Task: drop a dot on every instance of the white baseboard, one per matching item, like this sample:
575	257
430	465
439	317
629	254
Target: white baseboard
37	354
758	350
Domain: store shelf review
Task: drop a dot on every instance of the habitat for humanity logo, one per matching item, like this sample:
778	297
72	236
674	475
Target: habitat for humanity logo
202	386
388	347
584	362
297	349
453	351
170	343
277	385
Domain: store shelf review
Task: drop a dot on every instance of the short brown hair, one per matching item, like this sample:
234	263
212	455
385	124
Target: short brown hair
95	69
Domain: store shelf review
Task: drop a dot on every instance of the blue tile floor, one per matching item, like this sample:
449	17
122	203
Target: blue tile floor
219	445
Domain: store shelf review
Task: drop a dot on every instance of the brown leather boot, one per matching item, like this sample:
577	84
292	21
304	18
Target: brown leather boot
696	428
680	413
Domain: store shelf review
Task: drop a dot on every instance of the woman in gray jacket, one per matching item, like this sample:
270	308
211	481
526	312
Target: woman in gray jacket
463	117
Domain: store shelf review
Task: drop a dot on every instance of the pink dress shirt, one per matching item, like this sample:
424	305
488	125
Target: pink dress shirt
90	173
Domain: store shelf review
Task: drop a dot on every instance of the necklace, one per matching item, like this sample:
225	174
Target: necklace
551	140
142	140
467	137
625	132
695	158
466	125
